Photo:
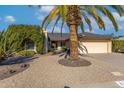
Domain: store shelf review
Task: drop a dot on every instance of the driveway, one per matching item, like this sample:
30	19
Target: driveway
45	71
115	60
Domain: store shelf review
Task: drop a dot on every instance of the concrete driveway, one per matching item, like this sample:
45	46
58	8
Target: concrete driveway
116	60
46	72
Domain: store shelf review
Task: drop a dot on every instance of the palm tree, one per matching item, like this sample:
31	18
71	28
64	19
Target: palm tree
72	15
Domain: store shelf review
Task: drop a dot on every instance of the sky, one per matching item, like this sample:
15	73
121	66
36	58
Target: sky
22	14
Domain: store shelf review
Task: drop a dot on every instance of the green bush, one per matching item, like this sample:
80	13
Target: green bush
51	49
26	53
64	48
13	39
117	44
2	54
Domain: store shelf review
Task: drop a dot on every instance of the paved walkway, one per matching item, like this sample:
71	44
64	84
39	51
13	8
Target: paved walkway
45	71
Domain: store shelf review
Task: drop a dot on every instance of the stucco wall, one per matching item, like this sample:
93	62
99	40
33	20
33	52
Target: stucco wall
109	46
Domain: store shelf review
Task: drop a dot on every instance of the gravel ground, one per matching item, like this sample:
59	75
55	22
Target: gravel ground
7	71
46	72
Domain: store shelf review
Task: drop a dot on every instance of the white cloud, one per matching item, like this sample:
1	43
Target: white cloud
120	20
46	9
117	17
40	17
43	11
10	19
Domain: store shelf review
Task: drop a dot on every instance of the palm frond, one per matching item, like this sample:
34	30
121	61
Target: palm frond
82	26
58	18
43	23
109	15
50	17
87	20
98	19
91	10
63	12
118	8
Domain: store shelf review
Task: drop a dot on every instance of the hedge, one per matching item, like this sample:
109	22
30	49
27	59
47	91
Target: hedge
15	35
117	44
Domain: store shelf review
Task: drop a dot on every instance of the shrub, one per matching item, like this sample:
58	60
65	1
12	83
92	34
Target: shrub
117	45
2	54
26	53
13	39
64	48
51	49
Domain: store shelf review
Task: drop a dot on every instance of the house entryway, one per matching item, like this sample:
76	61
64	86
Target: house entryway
29	45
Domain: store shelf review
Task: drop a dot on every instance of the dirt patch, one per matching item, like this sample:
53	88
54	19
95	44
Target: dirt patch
76	63
10	70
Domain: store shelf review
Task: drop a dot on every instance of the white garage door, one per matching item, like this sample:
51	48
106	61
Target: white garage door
95	47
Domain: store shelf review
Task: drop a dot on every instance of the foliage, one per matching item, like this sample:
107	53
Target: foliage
51	49
64	48
61	13
15	35
26	53
117	44
1	39
2	54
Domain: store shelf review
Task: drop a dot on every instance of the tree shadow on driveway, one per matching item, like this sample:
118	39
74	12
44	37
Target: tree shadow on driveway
17	60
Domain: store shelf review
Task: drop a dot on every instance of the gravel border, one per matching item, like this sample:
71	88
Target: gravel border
77	63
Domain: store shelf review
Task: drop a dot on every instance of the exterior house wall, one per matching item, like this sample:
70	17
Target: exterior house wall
109	46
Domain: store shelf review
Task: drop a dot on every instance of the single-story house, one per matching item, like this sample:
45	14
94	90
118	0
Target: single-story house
88	42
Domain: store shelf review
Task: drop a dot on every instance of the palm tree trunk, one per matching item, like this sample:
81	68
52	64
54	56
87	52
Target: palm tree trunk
73	42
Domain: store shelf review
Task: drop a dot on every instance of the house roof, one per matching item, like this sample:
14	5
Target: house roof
65	36
93	35
58	36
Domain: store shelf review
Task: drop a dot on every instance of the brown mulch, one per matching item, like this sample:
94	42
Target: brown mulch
10	70
77	63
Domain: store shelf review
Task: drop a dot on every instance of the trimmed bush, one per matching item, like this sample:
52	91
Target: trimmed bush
117	45
26	53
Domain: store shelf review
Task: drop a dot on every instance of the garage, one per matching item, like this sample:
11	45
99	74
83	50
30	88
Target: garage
96	47
95	43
